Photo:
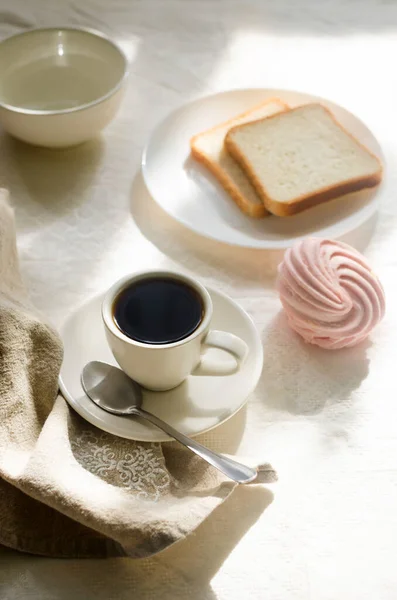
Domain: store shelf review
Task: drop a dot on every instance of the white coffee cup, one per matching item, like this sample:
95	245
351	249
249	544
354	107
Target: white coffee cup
162	367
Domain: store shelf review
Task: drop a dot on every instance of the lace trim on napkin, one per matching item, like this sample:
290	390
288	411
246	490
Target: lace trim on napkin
136	467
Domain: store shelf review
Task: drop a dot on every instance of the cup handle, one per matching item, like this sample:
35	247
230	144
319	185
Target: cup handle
225	341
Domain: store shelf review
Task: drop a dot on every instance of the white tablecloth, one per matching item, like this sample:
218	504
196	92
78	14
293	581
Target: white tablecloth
328	422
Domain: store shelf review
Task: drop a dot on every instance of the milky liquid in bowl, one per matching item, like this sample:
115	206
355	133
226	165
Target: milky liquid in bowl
48	85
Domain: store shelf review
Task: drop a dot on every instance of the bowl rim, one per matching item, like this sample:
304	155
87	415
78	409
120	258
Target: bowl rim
80	107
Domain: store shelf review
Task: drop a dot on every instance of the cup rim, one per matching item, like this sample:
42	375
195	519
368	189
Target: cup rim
122	283
80	107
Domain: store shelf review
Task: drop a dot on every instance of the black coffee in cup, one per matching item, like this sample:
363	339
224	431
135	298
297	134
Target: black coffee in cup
158	310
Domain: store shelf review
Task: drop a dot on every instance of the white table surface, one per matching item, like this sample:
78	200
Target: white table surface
328	529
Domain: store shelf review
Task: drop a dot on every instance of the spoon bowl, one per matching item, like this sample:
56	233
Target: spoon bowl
111	389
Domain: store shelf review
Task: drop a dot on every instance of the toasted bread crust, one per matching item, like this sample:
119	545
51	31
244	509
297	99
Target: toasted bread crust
326	194
252	210
283	106
256	211
301	203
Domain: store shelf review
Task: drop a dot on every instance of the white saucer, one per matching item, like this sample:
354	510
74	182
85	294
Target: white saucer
196	406
185	189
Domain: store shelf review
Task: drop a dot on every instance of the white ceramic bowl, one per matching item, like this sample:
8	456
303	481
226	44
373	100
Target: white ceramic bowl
60	86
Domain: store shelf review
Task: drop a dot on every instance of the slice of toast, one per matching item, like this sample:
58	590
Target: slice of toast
300	158
208	148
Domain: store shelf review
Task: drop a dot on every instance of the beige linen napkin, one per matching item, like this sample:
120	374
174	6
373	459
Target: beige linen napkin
68	489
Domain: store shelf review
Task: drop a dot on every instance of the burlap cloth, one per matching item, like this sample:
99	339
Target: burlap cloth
66	488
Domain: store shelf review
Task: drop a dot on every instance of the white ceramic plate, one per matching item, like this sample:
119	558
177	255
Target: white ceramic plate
185	190
196	406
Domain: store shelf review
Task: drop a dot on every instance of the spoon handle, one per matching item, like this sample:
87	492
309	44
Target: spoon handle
231	468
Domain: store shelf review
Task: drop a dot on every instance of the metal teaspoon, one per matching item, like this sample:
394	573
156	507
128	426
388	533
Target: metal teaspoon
112	390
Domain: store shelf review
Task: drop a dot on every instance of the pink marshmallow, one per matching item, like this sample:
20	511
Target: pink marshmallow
329	293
